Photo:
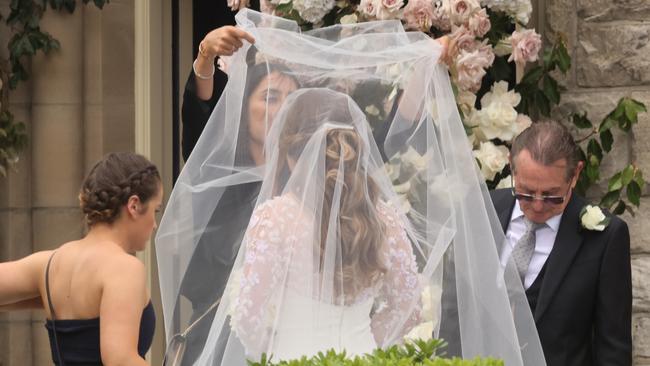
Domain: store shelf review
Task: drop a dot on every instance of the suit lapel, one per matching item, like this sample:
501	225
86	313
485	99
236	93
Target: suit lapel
504	204
567	243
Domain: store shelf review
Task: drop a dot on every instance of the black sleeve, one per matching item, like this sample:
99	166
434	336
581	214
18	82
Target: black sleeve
196	112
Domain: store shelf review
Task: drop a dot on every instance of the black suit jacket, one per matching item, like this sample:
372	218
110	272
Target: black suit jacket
584	309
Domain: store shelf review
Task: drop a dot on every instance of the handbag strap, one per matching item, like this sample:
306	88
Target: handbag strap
52	313
195	322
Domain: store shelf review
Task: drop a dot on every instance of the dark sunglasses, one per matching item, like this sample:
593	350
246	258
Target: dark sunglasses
525	197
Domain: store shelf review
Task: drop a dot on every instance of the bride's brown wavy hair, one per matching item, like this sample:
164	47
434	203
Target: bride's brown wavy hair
360	230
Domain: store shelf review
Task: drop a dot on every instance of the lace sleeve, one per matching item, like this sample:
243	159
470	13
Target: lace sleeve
263	270
399	304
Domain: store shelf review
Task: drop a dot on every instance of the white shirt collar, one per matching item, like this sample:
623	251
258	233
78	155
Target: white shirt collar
553	222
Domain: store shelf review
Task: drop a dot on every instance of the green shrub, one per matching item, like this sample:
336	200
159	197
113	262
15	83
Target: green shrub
418	353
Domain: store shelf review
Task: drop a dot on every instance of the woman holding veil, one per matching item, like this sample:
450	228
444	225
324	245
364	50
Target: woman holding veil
343	251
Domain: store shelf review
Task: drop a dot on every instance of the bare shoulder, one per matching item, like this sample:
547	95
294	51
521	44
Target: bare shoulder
123	276
121	264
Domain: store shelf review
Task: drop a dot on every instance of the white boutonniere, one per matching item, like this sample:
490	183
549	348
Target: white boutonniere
593	218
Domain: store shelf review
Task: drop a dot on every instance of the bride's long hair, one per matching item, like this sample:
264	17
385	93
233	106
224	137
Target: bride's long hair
360	230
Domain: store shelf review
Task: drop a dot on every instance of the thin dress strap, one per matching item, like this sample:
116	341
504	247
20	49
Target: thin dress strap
52	314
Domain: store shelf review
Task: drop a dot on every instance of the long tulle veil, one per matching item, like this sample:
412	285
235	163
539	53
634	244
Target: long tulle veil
367	222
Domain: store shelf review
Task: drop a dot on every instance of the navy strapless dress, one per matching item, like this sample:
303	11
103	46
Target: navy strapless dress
76	341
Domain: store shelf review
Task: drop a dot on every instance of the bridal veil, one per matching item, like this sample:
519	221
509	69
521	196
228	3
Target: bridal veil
366	222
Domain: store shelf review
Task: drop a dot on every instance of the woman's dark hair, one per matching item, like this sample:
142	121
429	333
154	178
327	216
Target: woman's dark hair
254	76
112	181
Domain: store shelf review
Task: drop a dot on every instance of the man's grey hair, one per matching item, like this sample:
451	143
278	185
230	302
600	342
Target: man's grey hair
547	142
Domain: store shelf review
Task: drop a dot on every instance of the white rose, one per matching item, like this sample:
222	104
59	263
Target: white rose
392	170
423	331
522	123
503	47
505	183
500	91
372	110
412	159
498	121
593	218
522	11
403	188
492	158
349	19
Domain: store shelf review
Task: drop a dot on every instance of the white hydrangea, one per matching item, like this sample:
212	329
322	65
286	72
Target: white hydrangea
313	11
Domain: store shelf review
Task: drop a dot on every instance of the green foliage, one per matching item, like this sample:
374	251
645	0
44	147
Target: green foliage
623	188
539	90
13	138
418	353
28	39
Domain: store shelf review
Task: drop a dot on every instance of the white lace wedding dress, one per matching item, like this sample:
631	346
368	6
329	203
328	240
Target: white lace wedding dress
294	324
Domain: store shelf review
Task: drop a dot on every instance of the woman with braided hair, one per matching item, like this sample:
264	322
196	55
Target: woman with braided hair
93	289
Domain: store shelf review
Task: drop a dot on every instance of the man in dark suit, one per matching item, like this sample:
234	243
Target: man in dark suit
577	280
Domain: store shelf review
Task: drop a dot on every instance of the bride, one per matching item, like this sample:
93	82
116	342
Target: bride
327	244
343	250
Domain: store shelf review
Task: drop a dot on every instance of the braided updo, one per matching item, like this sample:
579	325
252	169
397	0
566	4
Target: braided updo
112	181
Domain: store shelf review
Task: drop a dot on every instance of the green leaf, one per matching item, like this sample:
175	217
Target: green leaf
615	182
633	191
638	178
593	148
562	57
542	103
610	198
620	208
592	170
607	140
285	8
532	76
3	170
549	59
606	124
627	175
581	121
551	89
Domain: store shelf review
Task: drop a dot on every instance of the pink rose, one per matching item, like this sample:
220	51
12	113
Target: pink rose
485	50
440	20
461	10
389	9
368	8
463	38
470	69
479	23
418	15
525	46
267	7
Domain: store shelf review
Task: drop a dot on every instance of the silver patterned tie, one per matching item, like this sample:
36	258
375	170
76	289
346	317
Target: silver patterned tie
525	247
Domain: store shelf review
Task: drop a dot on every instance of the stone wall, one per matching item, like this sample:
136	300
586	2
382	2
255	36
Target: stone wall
78	105
609	43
